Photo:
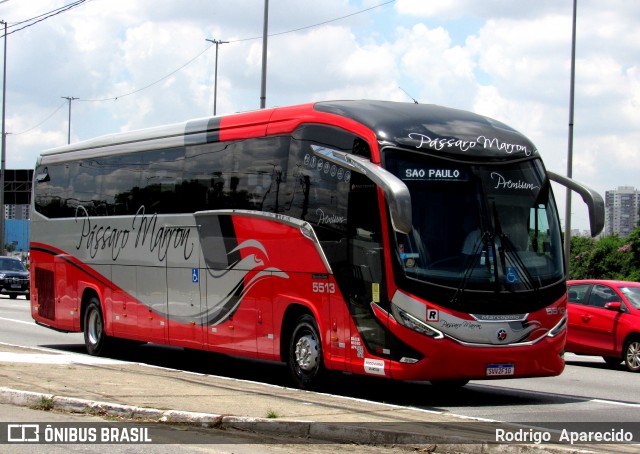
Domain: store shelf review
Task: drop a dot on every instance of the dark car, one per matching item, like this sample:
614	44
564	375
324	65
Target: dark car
14	278
604	320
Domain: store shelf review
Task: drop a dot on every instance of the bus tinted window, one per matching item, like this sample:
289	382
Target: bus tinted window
239	175
53	192
232	175
318	190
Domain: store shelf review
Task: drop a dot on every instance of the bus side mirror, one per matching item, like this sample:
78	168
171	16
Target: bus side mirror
589	196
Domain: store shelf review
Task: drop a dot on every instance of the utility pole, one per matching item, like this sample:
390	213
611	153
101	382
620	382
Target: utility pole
217	42
263	85
4	140
69	98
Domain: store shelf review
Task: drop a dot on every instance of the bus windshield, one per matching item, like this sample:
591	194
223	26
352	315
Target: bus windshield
488	227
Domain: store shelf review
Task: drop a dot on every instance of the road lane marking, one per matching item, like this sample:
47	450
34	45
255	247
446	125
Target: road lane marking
52	358
19	321
614	402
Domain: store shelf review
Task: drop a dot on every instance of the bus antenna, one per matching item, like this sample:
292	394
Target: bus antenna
405	92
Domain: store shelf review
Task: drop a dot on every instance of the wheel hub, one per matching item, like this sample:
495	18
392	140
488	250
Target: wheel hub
95	328
307	353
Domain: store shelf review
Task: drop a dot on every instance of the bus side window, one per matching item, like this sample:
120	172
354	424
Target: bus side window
53	192
162	175
259	171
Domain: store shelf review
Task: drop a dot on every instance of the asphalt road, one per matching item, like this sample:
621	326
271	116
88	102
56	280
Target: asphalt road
588	391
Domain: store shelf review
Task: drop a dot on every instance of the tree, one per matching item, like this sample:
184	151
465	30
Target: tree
610	257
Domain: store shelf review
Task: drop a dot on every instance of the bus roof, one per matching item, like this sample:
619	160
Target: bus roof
434	128
425	127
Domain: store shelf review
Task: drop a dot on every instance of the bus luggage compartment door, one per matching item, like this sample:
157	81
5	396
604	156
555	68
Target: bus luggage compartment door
186	316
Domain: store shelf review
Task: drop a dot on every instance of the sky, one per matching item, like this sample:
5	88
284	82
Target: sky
139	63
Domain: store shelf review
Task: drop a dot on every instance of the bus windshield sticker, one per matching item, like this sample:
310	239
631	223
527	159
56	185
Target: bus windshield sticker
375	292
503	183
415	173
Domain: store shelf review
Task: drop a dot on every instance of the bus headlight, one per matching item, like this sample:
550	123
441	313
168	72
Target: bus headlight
413	323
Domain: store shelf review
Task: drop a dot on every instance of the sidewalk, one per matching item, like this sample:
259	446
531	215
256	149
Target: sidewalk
85	384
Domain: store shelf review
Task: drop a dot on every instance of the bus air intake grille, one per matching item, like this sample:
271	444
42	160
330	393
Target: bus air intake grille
44	287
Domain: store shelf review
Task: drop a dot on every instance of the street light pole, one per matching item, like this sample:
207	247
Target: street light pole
217	42
567	215
69	98
263	85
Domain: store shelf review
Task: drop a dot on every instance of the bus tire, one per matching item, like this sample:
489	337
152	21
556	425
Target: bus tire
305	353
95	339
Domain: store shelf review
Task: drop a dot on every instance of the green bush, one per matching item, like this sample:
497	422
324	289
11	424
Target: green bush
610	257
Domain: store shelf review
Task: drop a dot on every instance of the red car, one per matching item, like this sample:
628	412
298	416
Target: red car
604	320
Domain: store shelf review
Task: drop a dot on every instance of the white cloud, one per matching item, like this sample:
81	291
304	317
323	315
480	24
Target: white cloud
505	59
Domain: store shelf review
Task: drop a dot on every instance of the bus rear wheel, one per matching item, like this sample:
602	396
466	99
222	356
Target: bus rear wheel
95	338
305	353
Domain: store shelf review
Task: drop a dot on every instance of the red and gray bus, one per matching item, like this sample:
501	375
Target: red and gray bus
407	241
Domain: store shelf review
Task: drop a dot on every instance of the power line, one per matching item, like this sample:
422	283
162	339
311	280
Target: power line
42	122
45	16
318	24
114	98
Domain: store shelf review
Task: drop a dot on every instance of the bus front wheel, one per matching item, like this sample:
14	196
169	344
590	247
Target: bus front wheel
95	338
305	353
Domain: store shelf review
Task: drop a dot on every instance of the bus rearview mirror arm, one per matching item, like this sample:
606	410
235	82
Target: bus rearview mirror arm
591	198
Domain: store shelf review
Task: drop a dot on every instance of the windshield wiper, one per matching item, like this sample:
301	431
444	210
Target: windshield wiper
521	268
470	263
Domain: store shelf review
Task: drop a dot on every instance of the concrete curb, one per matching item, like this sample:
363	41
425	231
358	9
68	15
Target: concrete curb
328	432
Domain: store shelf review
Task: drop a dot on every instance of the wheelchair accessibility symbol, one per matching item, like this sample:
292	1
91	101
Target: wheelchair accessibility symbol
195	275
512	275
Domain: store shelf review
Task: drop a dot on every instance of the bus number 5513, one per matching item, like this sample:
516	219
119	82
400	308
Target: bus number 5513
323	287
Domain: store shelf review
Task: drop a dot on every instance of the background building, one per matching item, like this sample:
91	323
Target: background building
622	210
17	200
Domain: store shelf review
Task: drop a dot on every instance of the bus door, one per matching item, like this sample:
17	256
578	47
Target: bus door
184	301
328	293
367	284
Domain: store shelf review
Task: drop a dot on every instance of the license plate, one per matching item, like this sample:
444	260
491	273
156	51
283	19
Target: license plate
16	286
494	370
